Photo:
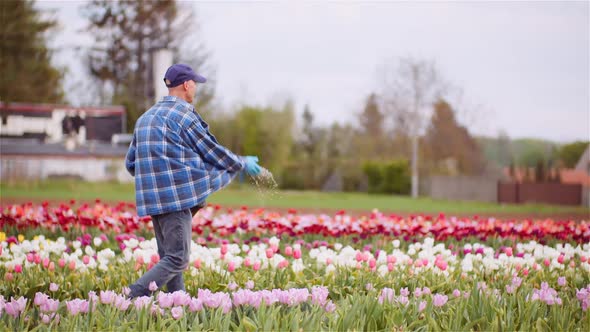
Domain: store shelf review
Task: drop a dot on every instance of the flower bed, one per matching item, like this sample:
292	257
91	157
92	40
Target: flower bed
68	268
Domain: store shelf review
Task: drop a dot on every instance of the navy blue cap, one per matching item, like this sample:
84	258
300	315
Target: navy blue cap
179	73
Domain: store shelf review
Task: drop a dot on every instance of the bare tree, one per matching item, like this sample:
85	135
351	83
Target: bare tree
409	89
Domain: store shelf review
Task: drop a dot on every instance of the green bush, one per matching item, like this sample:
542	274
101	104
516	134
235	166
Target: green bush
391	177
374	173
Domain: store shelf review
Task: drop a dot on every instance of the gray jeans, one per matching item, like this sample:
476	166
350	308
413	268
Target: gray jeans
173	236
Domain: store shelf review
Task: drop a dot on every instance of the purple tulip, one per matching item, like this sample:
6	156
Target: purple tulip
15	307
438	300
195	305
165	300
422	306
53	287
76	306
50	305
561	281
107	297
330	306
153	286
404	292
181	298
142	302
40	298
122	303
177	312
319	295
387	294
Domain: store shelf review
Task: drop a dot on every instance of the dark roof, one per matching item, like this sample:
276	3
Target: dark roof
48	108
33	148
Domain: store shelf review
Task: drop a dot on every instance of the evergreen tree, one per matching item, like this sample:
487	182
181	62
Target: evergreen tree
27	73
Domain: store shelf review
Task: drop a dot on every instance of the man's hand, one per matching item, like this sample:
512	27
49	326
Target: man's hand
252	167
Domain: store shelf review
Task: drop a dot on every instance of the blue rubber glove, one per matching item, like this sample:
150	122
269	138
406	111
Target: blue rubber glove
252	167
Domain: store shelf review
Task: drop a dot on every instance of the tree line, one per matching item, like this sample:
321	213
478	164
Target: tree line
408	127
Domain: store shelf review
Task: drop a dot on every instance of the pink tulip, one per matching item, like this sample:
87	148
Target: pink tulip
269	253
441	265
61	262
86	259
46	262
18	268
231	266
197	263
390	267
8	276
391	259
256	266
297	253
72	265
508	251
224	249
53	287
30	257
456	293
560	259
372	263
288	251
155	258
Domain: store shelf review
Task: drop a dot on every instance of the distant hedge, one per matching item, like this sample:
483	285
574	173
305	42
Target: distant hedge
391	177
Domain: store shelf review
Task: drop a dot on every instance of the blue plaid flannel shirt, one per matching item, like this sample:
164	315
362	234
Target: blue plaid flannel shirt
176	161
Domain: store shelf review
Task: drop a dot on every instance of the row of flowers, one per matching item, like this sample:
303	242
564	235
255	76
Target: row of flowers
419	257
175	304
121	218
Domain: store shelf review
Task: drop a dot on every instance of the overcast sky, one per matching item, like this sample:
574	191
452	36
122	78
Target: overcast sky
523	65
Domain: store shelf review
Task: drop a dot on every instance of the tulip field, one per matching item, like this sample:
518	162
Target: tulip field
67	267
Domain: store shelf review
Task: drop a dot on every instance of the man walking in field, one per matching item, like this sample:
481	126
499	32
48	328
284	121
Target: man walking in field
177	163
